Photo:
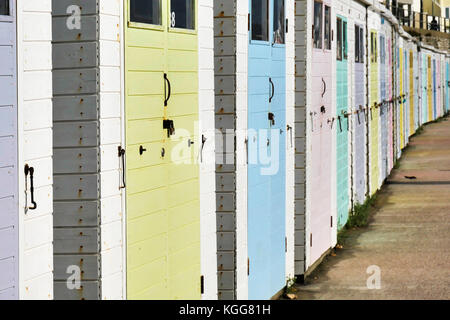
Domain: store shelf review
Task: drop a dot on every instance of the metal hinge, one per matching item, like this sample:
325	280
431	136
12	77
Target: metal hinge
202	284
331	221
248	266
310	239
248	22
285	244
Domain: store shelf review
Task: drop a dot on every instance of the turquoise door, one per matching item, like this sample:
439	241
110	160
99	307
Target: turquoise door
266	149
342	124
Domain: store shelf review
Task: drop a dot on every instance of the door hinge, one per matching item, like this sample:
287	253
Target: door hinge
285	244
202	284
287	25
248	22
310	239
248	266
121	154
331	221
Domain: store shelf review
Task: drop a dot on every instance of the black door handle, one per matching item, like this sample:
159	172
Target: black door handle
122	155
30	170
142	150
167	98
324	87
273	90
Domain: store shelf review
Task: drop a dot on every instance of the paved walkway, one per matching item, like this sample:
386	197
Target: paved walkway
408	236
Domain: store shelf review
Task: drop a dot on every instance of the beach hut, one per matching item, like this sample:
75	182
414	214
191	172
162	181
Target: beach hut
374	100
359	102
26	247
253	61
342	116
89	150
266	137
170	195
321	218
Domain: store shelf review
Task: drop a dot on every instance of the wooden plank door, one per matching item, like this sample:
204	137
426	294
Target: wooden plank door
342	125
9	204
360	119
383	109
163	217
374	113
320	189
266	167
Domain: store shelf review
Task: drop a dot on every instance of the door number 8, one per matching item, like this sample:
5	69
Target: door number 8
172	19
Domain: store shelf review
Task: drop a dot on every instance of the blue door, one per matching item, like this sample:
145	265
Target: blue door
266	149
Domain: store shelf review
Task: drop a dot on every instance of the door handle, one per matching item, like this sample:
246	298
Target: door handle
122	155
324	87
30	170
167	97
273	90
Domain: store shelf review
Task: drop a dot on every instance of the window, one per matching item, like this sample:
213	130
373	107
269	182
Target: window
327	34
144	11
344	39
278	21
447	12
339	39
182	14
260	20
374	50
4	8
382	50
317	27
361	45
357	44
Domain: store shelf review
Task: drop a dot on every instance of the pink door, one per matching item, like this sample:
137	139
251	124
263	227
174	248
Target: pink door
321	132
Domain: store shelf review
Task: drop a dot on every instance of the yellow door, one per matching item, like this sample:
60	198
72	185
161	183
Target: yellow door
161	106
374	113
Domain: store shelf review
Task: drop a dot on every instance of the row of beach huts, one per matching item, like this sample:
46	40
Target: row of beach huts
196	149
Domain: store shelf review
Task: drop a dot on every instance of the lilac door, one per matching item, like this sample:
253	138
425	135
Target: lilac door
321	131
8	153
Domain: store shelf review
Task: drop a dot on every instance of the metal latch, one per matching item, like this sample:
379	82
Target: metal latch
271	118
169	126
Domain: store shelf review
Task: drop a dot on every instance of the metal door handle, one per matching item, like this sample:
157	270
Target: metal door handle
30	170
324	87
167	98
273	90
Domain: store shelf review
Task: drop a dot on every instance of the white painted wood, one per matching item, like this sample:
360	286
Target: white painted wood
241	135
35	147
290	136
112	202
208	242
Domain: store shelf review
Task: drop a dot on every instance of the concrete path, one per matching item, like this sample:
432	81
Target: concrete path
408	236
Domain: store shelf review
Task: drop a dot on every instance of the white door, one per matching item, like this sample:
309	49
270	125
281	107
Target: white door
8	153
